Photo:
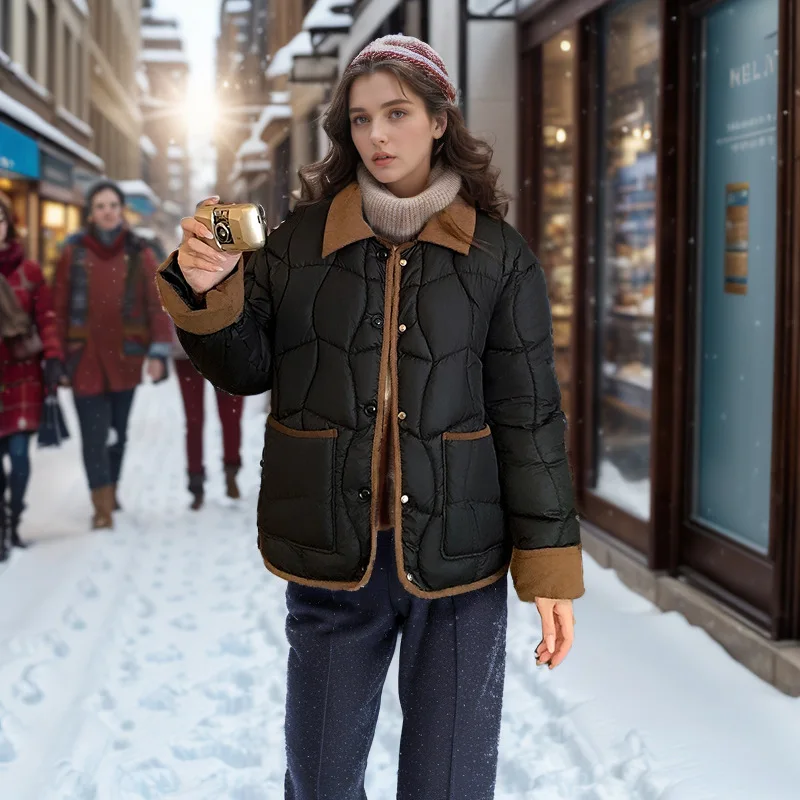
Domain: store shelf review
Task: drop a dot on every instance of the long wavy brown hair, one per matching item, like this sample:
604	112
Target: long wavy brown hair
458	149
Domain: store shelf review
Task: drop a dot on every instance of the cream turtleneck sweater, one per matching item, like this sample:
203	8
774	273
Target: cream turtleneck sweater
400	219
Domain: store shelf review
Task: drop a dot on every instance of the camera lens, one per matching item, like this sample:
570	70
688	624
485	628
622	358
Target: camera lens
222	232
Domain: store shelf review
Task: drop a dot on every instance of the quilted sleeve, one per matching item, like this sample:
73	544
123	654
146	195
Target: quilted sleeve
523	404
227	335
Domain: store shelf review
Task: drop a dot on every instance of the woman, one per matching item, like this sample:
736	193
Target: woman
111	323
416	442
193	389
23	379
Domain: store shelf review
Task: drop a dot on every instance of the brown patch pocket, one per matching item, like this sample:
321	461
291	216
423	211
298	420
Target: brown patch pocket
298	486
474	522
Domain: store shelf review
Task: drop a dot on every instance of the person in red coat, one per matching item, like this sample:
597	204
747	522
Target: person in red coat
22	380
110	322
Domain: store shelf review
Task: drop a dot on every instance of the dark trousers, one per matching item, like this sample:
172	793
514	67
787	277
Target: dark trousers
97	415
230	416
452	670
16	447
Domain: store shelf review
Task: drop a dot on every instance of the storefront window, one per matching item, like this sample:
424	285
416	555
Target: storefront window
18	192
736	270
556	240
58	221
627	253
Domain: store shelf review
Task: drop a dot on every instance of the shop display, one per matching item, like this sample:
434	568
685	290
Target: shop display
626	287
556	224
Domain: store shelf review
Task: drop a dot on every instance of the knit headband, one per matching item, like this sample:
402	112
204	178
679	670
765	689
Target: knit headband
410	51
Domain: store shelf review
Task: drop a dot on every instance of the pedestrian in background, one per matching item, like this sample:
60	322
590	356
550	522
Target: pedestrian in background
415	451
30	363
229	407
110	321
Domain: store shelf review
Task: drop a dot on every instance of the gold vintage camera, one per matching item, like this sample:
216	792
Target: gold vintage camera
237	227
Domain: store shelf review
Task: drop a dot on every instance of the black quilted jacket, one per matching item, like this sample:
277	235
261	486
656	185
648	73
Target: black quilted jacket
325	316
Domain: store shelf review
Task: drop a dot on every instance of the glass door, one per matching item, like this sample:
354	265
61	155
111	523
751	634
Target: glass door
626	225
736	272
557	148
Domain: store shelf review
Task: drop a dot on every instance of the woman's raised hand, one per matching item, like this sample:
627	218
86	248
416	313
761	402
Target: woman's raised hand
203	265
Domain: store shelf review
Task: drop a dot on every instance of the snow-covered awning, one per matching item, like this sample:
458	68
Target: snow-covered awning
252	147
270	114
155	56
282	61
30	119
238	6
173	208
138	188
263	165
146	143
161	33
329	16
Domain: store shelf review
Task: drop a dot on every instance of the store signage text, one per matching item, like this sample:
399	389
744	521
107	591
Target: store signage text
753	71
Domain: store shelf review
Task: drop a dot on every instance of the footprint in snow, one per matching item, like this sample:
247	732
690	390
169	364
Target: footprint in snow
166	656
88	588
7	751
57	646
26	688
149	778
186	622
104	700
72	620
146	608
234	644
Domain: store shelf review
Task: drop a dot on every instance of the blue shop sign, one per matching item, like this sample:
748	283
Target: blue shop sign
141	204
19	154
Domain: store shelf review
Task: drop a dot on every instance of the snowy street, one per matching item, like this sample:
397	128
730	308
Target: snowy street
149	662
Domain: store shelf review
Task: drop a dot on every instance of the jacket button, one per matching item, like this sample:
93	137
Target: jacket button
364	494
371	409
401	415
404	499
402	329
377	321
410	578
403	262
383	254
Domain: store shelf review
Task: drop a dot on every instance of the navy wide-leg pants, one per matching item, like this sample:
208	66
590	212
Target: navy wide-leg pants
452	669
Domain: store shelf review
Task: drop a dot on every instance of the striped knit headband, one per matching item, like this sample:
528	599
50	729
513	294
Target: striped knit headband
410	51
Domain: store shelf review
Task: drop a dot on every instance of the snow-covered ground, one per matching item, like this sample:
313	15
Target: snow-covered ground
149	662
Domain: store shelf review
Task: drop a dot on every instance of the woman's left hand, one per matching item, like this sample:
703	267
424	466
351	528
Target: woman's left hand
558	623
54	374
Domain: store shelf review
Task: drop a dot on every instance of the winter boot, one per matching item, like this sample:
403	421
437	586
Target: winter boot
196	481
103	502
231	488
117	506
5	548
13	528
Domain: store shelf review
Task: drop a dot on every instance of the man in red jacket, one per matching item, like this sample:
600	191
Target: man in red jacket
110	321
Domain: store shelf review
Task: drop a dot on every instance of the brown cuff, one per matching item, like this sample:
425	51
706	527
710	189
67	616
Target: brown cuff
224	303
552	572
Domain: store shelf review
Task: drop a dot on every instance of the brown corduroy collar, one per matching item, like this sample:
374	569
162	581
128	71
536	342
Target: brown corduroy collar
346	224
